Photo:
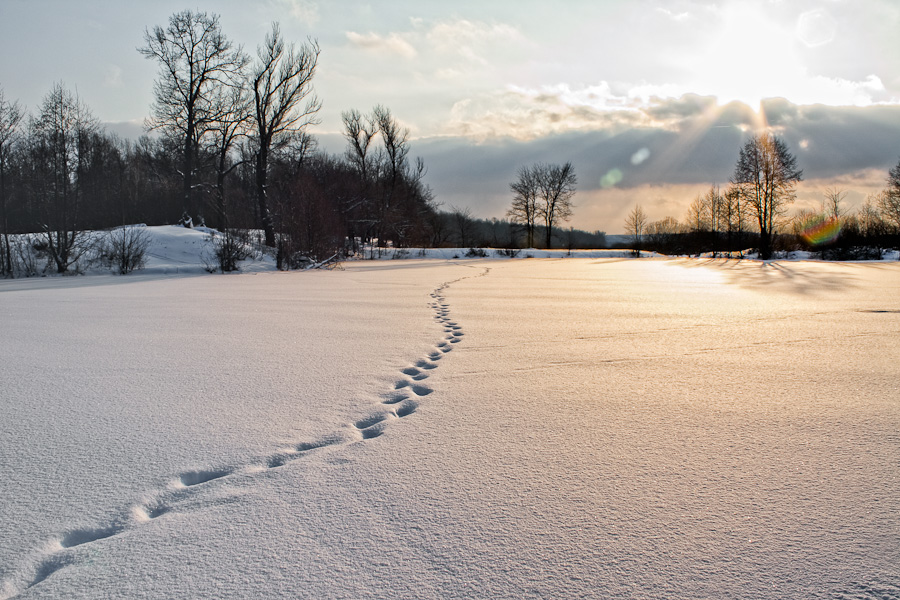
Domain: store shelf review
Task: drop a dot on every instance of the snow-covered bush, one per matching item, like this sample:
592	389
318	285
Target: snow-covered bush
124	249
227	249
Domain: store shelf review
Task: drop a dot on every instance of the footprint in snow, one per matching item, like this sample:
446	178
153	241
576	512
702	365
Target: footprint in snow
406	408
192	478
370	420
299	450
78	537
47	567
401	403
395	399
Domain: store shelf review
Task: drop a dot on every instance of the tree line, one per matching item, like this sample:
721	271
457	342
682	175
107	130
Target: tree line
752	212
228	146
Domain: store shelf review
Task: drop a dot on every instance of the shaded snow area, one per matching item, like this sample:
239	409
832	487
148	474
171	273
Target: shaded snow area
577	428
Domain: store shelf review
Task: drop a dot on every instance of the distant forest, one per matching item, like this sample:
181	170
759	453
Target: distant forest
228	147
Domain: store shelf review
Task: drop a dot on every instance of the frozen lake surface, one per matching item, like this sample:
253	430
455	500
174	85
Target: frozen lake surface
575	428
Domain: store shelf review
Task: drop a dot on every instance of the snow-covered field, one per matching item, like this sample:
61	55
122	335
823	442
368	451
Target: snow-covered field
569	428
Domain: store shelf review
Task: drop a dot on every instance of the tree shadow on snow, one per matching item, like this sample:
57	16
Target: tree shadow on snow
794	277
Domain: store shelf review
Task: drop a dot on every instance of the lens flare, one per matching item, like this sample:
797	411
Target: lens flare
611	178
819	230
640	156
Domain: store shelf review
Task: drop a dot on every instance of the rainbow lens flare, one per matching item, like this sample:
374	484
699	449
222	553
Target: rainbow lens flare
819	230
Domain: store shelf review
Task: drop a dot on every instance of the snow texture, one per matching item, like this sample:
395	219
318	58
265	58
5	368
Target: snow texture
579	428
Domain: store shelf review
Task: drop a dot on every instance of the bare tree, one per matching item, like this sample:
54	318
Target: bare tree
766	174
524	205
834	197
59	140
394	165
195	58
465	226
889	199
635	223
396	142
557	185
662	235
226	126
715	204
697	218
545	192
359	130
284	105
11	115
735	217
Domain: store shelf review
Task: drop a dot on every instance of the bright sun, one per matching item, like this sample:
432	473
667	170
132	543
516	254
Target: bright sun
749	58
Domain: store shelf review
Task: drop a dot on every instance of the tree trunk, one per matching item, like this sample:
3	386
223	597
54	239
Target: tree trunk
262	171
5	253
187	204
765	245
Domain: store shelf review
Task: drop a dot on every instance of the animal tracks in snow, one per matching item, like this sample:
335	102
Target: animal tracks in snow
397	403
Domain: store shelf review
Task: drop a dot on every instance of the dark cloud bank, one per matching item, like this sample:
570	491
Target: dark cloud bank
689	148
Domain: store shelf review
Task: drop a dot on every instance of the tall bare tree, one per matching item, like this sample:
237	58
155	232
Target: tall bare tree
394	166
697	218
524	205
766	174
284	105
714	202
834	198
542	191
889	198
195	58
59	139
226	126
360	130
465	225
734	217
11	116
635	225
557	187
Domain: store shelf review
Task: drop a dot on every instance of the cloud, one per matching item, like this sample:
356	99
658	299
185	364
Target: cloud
304	11
625	156
112	76
523	114
470	39
677	17
393	43
448	49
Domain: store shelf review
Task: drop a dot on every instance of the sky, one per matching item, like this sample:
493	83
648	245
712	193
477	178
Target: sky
650	99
